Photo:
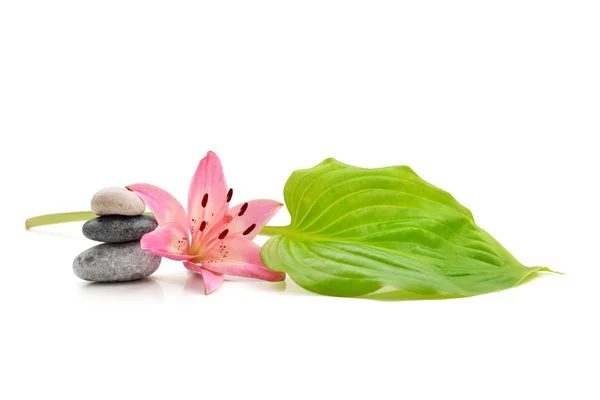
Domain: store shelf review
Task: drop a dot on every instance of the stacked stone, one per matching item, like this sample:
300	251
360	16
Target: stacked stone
120	225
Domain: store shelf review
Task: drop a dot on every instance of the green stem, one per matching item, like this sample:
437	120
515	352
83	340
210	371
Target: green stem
60	218
50	219
272	230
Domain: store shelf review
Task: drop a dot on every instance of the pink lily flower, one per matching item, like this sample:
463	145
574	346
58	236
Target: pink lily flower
211	238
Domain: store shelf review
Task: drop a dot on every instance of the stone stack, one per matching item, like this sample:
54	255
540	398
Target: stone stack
120	225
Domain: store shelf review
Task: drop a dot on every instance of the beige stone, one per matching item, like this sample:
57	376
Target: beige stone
117	201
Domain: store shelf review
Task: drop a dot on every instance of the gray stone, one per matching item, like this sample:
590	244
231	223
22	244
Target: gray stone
115	262
117	201
118	228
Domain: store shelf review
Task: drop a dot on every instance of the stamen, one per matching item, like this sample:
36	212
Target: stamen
223	234
204	200
243	209
202	226
250	229
229	194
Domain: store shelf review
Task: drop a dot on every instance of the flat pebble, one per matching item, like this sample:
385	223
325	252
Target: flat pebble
115	262
118	228
117	201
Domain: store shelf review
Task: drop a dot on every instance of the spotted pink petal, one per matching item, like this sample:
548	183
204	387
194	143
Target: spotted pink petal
170	241
212	280
208	197
164	206
249	218
240	257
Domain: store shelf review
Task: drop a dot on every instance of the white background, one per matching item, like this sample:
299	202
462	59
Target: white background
496	102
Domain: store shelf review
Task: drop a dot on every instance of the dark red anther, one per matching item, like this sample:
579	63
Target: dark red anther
223	234
204	200
229	194
243	209
202	226
250	229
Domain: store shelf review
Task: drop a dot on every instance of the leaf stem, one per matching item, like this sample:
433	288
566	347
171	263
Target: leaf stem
59	218
50	219
273	230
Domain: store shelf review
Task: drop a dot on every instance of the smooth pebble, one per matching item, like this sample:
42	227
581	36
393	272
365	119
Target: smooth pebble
118	228
117	201
115	262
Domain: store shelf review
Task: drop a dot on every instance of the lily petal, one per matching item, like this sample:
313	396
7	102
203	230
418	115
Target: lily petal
208	196
212	280
249	218
240	257
164	206
170	241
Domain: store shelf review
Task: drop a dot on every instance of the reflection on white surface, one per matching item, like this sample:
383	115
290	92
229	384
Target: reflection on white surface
254	284
177	285
142	291
194	284
291	288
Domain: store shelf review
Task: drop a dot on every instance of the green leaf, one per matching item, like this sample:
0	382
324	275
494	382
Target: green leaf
355	231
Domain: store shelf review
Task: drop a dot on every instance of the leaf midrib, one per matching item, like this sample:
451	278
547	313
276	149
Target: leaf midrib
288	232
